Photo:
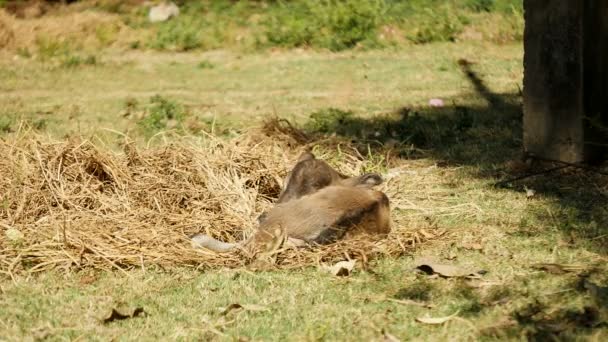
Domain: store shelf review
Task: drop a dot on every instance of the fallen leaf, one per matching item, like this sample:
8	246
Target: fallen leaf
341	268
115	315
558	268
449	271
242	307
229	308
436	320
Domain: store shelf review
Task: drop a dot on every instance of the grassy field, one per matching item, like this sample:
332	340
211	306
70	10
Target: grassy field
289	84
253	25
449	160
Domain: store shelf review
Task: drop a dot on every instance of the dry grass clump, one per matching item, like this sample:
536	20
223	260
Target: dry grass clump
72	204
7	36
84	29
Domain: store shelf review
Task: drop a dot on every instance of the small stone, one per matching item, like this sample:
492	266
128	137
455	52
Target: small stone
163	12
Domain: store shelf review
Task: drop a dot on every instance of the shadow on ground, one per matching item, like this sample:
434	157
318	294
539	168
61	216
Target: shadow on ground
488	137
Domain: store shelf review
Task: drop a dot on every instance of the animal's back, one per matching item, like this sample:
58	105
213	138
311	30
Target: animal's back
308	176
330	213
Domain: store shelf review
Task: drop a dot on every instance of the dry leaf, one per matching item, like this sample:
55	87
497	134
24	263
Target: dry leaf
430	267
115	315
436	320
558	268
243	307
229	308
342	268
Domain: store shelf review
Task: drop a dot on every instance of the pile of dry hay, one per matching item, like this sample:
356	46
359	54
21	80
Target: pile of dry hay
72	205
63	29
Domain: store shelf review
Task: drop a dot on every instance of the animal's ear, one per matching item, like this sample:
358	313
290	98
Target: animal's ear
370	179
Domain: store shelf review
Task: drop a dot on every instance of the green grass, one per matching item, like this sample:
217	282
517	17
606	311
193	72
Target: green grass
162	114
329	24
294	305
261	25
255	85
334	25
450	158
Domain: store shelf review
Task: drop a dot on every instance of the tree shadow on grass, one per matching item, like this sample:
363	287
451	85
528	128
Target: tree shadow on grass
484	130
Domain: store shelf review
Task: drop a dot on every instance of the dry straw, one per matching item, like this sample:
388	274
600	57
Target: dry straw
72	205
66	27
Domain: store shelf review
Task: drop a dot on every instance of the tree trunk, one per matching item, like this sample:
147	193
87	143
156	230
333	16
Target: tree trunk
565	79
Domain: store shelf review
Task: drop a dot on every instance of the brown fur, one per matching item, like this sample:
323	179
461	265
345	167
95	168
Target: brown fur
330	214
318	205
311	174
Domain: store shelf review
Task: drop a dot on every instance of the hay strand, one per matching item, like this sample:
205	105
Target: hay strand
73	205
